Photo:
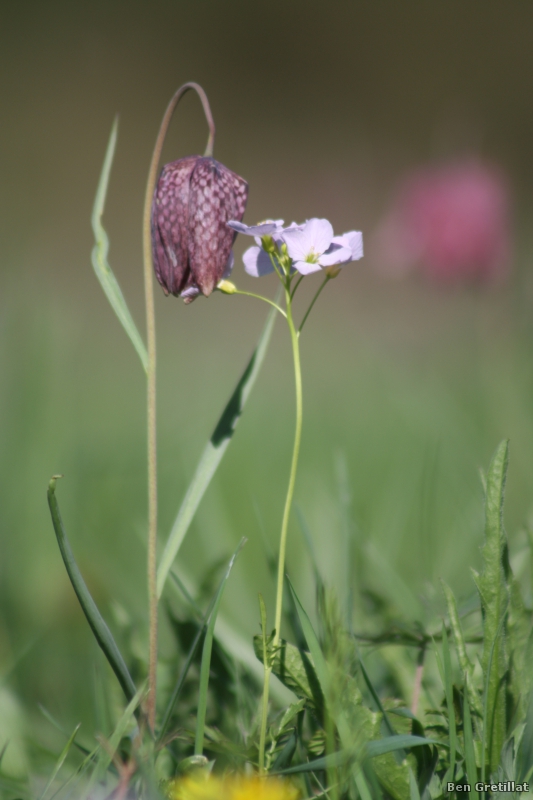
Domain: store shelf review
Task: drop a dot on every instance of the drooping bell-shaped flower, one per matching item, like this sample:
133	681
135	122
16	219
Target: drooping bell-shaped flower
191	244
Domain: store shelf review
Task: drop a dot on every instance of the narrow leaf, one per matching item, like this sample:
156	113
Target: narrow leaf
60	761
413	787
188	661
120	731
206	657
493	589
98	625
388	744
99	260
402	741
467	668
448	687
213	453
470	758
314	645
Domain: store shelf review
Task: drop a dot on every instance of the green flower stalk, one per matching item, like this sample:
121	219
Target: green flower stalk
296	250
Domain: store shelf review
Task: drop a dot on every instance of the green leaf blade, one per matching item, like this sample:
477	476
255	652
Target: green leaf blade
96	622
99	254
206	656
213	454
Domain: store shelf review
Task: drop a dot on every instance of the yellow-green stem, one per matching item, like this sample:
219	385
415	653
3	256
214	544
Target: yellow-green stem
264	719
294	465
266	685
264	299
151	384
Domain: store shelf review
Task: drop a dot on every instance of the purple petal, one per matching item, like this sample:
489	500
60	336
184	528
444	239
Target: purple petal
353	240
264	229
335	255
170	220
256	262
229	266
216	195
314	239
190	294
305	267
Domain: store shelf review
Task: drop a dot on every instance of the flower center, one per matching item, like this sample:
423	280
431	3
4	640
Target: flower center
312	257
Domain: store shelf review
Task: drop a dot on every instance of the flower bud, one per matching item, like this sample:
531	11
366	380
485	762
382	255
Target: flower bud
191	244
268	244
227	287
332	271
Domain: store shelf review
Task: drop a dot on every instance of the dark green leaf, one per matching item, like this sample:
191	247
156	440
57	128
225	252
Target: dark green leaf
98	626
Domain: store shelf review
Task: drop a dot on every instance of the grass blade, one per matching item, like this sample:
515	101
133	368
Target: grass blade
109	748
98	625
448	688
470	758
213	453
380	747
99	253
206	657
47	715
60	761
494	592
403	741
185	668
311	638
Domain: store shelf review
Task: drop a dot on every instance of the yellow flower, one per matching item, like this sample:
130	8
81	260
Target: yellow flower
230	788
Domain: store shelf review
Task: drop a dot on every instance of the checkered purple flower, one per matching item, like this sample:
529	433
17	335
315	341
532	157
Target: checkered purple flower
194	199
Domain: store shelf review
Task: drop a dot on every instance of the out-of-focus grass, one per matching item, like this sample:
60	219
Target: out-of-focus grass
407	390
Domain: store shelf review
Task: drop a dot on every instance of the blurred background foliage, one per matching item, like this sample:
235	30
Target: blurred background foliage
409	385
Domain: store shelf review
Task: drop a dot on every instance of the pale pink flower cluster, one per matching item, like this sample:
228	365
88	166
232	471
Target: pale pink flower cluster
312	246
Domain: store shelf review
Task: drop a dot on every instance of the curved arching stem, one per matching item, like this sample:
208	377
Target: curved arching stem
151	378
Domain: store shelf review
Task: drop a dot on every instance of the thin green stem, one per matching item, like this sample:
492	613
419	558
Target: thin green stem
278	270
294	465
151	383
265	299
298	282
313	301
267	669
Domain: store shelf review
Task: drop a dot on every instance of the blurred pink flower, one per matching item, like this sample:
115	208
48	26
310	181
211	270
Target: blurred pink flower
452	222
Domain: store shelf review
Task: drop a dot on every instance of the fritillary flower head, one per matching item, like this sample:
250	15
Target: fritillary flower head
452	222
210	787
191	243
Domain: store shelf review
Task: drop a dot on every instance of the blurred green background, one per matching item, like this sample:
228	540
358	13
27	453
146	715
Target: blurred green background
408	386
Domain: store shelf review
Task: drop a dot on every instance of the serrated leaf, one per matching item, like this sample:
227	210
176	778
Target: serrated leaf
467	668
295	669
103	271
213	454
